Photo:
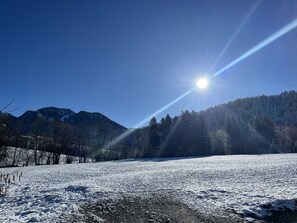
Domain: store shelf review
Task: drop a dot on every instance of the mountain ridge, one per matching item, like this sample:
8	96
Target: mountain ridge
252	125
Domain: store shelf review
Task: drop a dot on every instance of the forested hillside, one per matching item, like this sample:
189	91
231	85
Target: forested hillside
256	125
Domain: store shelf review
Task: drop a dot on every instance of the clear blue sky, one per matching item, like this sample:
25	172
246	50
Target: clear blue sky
126	59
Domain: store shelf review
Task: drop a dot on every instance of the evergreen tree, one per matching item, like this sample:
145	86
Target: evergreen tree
201	139
186	134
265	127
153	138
219	142
233	133
165	129
166	126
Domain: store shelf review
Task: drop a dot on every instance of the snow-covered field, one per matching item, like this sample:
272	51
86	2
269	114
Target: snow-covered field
240	183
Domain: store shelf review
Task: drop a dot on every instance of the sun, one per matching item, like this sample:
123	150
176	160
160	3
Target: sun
202	83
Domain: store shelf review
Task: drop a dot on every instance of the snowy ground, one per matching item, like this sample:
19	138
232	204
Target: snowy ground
238	183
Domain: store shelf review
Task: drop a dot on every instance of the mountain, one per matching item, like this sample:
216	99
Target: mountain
94	129
46	115
255	125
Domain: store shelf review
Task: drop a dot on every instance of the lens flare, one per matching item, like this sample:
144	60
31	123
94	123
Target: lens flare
242	24
264	43
203	82
147	119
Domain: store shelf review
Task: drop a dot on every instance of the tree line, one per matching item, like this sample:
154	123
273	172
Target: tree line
258	125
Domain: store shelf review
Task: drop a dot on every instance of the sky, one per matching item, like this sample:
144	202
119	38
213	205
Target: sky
127	59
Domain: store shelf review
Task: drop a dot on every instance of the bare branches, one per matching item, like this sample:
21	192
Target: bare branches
4	109
6	106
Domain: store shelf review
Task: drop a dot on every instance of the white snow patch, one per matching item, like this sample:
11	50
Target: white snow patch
64	117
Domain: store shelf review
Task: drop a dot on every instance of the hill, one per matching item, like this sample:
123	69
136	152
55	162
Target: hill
255	125
59	130
96	127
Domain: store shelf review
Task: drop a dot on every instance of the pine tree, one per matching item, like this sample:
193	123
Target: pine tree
232	130
153	138
200	137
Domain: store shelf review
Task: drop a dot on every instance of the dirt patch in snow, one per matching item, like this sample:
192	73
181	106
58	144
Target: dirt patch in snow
154	209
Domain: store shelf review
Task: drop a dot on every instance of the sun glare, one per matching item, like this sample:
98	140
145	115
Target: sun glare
202	83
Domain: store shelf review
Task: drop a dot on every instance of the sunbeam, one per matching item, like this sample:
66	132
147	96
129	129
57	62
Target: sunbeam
128	132
264	43
242	24
164	108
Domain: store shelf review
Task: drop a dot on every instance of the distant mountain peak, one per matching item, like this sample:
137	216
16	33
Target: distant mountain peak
96	126
60	111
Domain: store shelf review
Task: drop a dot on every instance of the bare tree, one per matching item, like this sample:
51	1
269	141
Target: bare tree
60	140
3	135
3	141
17	139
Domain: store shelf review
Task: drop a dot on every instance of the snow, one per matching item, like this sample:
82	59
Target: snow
241	183
65	117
